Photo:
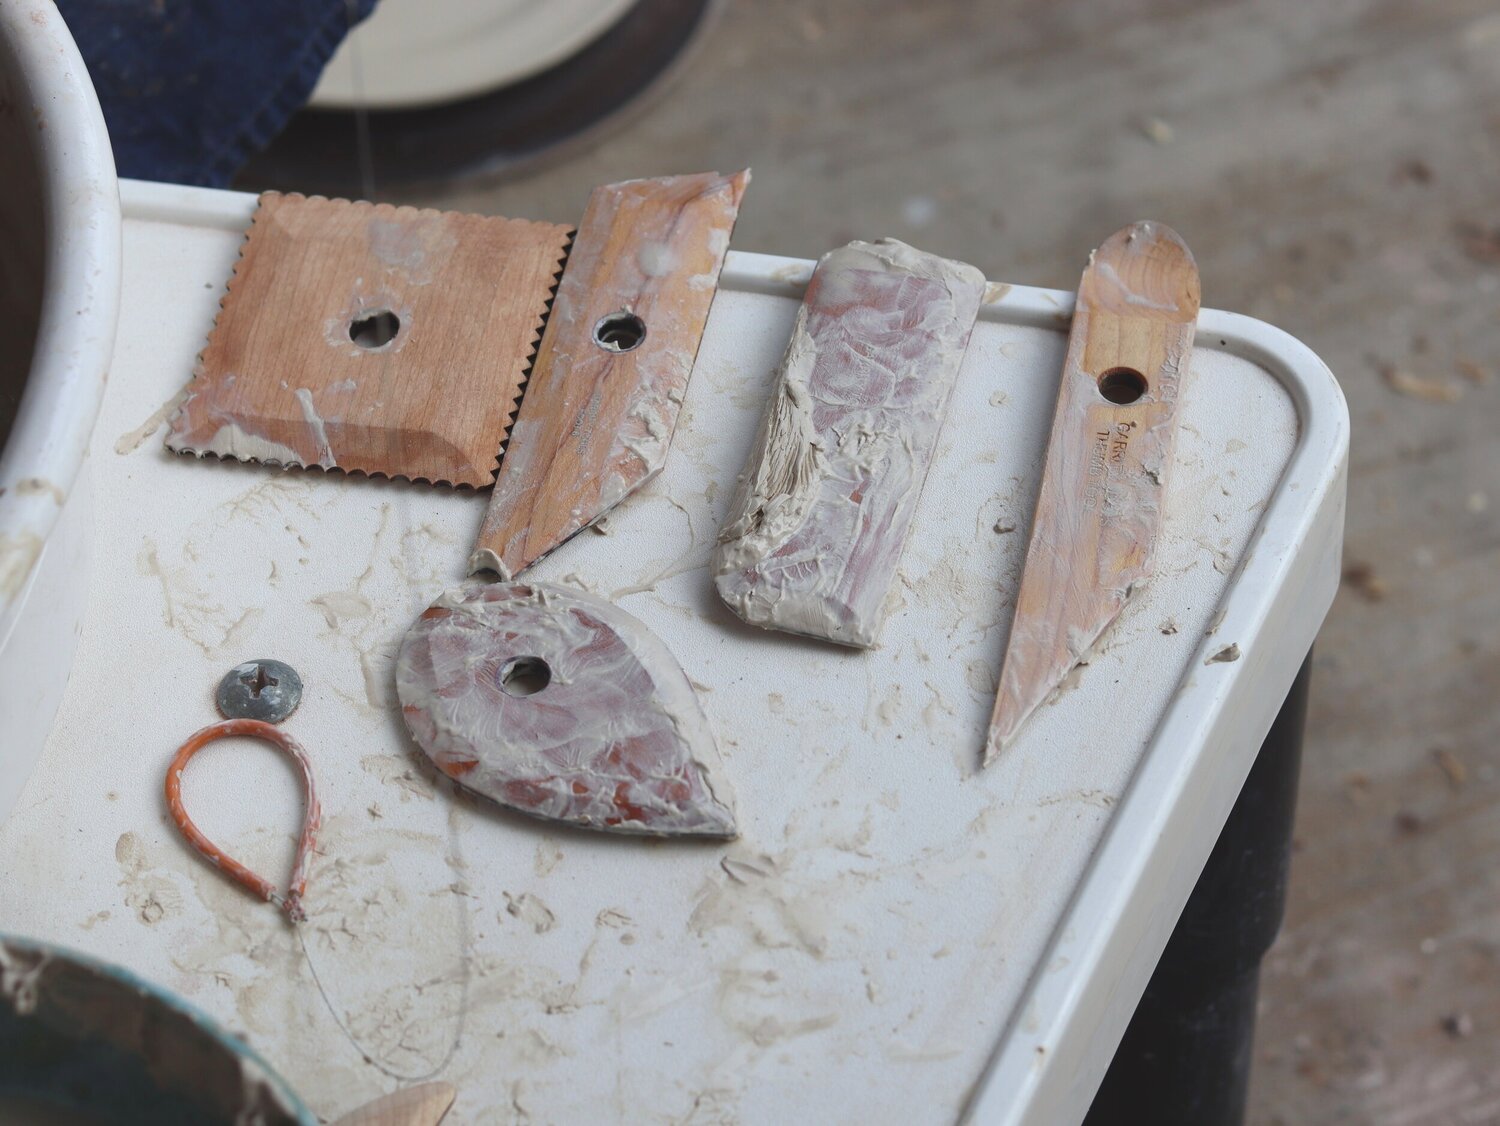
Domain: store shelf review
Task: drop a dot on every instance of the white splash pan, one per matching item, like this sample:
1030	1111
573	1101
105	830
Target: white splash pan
897	937
59	273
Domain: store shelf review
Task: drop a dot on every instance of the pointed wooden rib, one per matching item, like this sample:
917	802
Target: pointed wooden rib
813	537
595	423
1099	510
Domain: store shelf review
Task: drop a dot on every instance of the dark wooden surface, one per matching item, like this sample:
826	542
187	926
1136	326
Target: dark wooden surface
1335	167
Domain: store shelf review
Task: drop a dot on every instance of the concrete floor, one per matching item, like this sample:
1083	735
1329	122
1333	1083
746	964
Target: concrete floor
1334	166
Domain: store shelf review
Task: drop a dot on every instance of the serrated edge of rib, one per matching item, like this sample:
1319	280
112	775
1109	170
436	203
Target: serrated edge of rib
480	479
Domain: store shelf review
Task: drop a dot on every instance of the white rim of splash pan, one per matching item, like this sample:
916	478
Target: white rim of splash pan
75	337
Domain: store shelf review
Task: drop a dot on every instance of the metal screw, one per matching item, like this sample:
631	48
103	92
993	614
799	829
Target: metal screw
263	689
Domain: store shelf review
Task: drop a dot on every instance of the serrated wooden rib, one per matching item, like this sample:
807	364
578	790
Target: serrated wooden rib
1099	510
594	424
281	382
536	345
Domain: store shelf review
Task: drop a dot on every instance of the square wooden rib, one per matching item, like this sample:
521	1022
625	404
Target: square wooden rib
613	365
373	339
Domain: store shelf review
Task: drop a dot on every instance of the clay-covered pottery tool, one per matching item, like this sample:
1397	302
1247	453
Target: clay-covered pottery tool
612	369
370	338
397	343
558	704
1108	459
814	534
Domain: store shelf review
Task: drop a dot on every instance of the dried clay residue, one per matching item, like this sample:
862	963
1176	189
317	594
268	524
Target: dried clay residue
383	957
756	898
530	910
787	925
548	856
18	553
40	487
340	605
133	440
191	612
20	978
149	894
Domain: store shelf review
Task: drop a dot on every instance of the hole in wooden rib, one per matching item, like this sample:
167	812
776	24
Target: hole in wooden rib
619	332
1122	385
374	329
525	676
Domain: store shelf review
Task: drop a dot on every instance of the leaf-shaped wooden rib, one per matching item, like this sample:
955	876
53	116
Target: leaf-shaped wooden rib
561	705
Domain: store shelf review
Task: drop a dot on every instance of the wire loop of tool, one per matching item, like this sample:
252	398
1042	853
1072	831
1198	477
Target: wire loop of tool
291	902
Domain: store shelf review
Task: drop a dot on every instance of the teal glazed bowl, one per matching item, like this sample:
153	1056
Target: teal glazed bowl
82	1041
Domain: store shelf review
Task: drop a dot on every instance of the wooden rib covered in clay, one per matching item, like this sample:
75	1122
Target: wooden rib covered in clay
295	372
611	735
599	411
426	1104
815	532
1099	509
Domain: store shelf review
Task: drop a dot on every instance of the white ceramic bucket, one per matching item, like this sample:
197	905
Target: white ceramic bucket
59	298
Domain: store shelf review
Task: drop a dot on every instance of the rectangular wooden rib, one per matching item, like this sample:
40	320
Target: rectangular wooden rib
371	338
812	539
599	410
1099	509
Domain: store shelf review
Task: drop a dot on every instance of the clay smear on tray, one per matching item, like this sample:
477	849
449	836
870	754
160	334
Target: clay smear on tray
612	369
815	532
561	705
371	338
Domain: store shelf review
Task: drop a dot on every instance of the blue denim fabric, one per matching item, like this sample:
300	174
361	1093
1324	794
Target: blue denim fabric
191	89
